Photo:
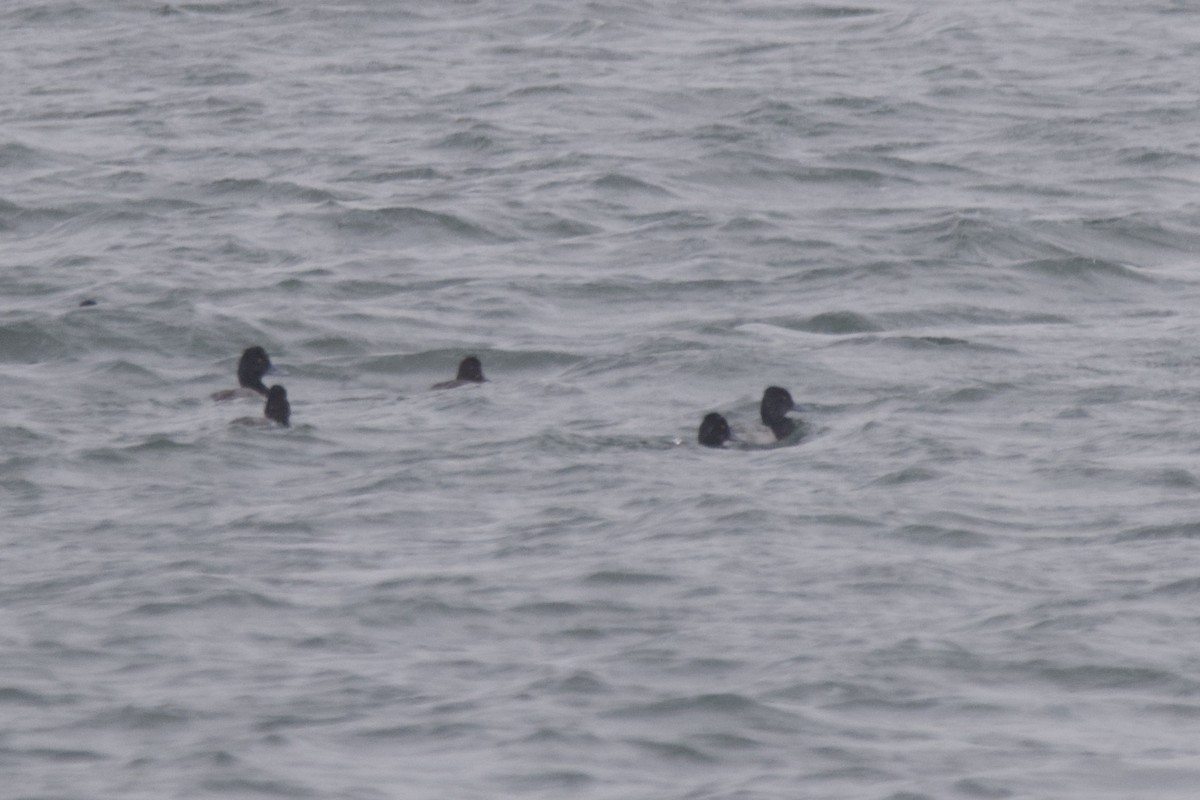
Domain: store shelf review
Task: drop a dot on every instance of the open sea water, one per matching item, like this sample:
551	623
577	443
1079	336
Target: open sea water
964	234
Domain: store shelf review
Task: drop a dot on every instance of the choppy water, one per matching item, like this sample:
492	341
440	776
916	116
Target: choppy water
963	234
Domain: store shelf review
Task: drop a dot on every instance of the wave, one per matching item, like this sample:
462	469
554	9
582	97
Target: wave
408	223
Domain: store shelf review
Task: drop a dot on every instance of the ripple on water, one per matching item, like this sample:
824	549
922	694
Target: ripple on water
626	578
939	536
673	751
1107	677
906	476
433	732
11	695
620	183
548	780
14	156
727	712
1082	270
409	223
838	323
258	190
254	787
132	717
230	598
580	682
1184	587
1181	530
56	755
32	342
1170	478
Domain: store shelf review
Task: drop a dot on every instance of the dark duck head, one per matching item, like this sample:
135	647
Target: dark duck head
254	364
278	408
776	403
469	369
714	431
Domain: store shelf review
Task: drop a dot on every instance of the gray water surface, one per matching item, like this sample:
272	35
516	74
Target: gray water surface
962	234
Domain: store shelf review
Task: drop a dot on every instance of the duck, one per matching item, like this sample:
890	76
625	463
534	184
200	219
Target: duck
253	365
277	411
714	430
776	425
776	403
470	370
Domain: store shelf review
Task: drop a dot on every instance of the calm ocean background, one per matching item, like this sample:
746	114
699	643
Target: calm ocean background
964	234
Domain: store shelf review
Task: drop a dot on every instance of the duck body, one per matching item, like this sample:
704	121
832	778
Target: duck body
254	364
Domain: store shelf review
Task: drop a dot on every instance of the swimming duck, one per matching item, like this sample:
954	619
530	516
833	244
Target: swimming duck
253	365
714	431
469	371
776	403
277	411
